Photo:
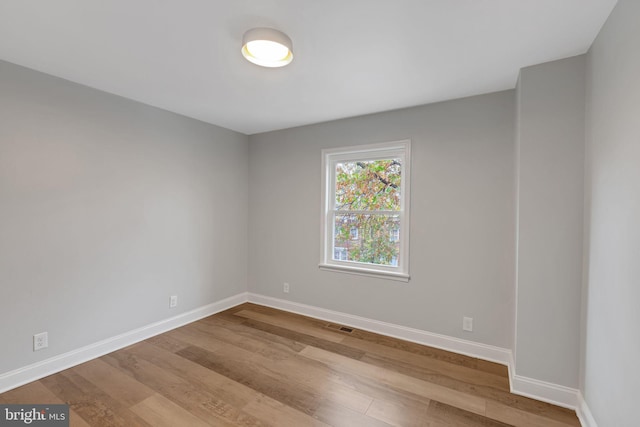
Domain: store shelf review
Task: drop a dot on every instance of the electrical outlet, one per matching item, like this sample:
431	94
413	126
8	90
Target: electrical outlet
40	341
467	324
285	288
173	301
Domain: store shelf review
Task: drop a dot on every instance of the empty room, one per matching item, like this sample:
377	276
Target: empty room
320	213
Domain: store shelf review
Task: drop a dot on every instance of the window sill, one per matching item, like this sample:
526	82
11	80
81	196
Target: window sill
401	277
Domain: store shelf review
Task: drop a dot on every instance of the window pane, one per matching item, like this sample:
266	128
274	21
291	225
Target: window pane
377	239
368	185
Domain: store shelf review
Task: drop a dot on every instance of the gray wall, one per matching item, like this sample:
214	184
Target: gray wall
108	207
550	188
612	309
461	218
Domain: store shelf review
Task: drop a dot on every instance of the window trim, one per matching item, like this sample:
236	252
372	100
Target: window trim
369	152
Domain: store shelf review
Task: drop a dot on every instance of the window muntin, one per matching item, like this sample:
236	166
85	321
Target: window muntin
366	209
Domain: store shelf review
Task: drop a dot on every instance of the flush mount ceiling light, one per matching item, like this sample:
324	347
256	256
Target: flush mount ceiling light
267	47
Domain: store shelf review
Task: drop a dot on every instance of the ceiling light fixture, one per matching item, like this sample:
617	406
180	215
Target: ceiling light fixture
267	47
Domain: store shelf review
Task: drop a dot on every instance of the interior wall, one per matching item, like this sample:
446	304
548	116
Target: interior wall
462	218
108	207
612	345
550	204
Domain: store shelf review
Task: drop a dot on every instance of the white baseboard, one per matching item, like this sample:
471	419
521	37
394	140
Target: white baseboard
33	372
546	392
584	413
456	345
535	389
528	387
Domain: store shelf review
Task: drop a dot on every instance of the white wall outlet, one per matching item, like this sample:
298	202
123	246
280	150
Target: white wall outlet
467	324
40	341
173	301
285	288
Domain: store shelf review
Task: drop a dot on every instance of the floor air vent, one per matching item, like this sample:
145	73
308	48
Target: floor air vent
340	328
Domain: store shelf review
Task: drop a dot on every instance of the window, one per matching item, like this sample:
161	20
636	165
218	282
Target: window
365	215
354	233
340	253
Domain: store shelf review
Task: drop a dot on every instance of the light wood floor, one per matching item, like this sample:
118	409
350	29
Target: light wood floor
256	366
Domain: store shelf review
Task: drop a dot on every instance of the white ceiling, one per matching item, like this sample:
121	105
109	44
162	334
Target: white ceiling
352	57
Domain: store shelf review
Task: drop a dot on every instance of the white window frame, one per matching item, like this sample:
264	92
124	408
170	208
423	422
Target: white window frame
387	150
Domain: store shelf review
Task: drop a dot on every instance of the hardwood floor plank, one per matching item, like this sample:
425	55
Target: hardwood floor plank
93	405
283	369
192	397
546	410
255	333
76	420
305	339
432	352
167	342
298	326
347	397
257	366
200	377
36	392
113	382
314	373
264	347
492	367
482	383
279	414
441	367
161	412
442	415
395	380
497	394
270	349
339	416
245	373
399	413
520	418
